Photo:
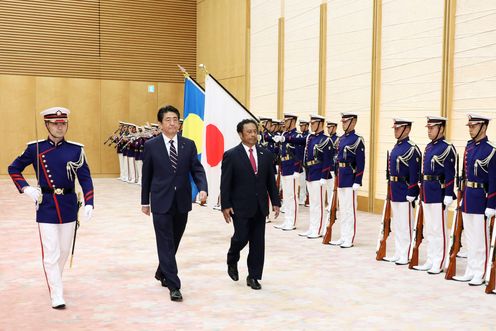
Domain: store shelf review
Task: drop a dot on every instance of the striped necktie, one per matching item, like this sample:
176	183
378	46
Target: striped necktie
173	155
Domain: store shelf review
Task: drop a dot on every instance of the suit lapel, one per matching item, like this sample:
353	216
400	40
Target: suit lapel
245	160
180	150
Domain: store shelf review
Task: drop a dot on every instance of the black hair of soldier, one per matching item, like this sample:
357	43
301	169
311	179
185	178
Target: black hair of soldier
240	126
167	109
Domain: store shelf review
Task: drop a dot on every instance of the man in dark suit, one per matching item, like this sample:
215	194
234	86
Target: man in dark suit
168	161
247	182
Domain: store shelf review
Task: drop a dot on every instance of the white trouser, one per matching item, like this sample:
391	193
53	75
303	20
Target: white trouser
330	192
401	226
125	168
316	197
303	188
121	166
435	233
476	230
139	168
290	201
56	240
347	214
132	170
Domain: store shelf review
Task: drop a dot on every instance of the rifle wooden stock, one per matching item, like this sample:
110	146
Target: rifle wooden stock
417	236
332	214
491	264
455	239
385	229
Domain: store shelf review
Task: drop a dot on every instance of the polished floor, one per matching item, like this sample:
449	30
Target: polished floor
306	285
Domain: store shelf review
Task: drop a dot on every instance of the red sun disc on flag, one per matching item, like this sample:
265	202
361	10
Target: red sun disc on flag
214	145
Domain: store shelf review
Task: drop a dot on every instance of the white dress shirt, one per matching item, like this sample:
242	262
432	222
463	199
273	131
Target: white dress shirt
247	149
167	143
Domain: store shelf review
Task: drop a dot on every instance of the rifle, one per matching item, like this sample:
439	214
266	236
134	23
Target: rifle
491	263
110	138
386	219
332	214
456	229
80	203
418	230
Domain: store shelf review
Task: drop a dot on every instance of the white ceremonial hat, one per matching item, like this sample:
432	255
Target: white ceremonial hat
474	118
290	116
399	122
317	118
56	114
436	120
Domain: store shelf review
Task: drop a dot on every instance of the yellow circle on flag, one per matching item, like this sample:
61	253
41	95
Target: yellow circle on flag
193	129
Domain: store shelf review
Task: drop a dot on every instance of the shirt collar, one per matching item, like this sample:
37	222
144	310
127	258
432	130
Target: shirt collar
167	140
403	140
247	149
55	144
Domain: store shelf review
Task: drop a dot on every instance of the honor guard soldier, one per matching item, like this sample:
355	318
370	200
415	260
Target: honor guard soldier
289	170
131	154
300	153
333	136
404	174
351	163
479	200
438	179
317	163
57	163
119	145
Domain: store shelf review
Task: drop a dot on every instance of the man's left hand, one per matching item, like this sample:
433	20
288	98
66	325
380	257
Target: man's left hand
203	196
88	212
277	210
227	214
490	212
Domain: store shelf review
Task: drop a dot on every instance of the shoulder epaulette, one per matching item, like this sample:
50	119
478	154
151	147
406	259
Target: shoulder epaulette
492	144
35	141
74	143
411	142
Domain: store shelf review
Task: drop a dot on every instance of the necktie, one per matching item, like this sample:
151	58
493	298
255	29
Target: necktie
173	155
252	161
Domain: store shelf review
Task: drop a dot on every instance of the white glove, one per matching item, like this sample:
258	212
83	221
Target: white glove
88	212
355	187
282	139
276	138
33	192
410	198
322	182
448	200
490	212
296	175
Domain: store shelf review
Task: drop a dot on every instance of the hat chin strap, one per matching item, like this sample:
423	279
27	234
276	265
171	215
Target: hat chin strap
349	123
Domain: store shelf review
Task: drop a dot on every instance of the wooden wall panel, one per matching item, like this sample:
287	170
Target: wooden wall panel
142	104
221	40
170	94
99	39
84	102
114	108
17	105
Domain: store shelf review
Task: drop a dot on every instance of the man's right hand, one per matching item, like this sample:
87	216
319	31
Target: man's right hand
145	210
33	192
227	214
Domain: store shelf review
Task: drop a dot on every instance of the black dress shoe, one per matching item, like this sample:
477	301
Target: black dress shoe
232	271
62	306
175	295
161	279
253	283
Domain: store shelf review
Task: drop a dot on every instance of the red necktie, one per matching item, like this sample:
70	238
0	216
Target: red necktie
252	161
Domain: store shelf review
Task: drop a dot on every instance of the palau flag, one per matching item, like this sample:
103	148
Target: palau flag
194	110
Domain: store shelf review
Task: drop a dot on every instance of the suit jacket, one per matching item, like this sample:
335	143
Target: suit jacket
241	189
161	185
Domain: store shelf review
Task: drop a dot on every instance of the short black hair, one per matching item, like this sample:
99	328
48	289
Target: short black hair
167	109
241	124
